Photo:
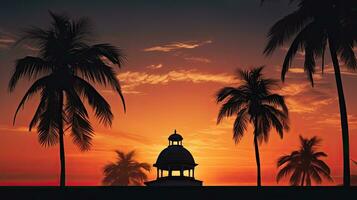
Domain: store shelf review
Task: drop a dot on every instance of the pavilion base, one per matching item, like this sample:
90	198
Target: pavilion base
174	181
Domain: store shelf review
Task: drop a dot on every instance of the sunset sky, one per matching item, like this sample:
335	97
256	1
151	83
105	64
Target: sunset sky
179	53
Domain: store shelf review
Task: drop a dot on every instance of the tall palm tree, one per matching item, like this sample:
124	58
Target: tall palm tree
125	171
253	101
63	70
313	26
304	164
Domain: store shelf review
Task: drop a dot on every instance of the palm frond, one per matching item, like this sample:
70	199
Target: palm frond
347	54
277	100
240	125
80	30
296	176
280	119
225	92
314	141
48	128
60	21
320	154
309	64
321	165
95	100
30	67
121	155
35	87
110	52
130	155
34	34
82	130
145	166
40	109
315	175
324	173
287	158
95	70
308	179
284	172
284	29
230	107
297	44
264	126
324	44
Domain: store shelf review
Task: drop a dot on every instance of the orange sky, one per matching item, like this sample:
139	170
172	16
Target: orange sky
169	83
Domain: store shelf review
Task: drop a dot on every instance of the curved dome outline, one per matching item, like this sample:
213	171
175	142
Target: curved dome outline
175	157
175	137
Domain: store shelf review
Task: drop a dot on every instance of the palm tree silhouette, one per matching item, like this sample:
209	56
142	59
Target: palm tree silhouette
313	26
304	164
125	171
65	64
252	101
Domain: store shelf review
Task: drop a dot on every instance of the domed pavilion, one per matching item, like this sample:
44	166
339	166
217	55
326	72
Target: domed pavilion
175	165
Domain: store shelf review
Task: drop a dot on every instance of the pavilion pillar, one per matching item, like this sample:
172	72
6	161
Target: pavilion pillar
189	173
170	172
193	173
157	173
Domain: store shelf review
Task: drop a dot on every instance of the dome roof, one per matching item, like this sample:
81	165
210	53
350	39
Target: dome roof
175	157
175	137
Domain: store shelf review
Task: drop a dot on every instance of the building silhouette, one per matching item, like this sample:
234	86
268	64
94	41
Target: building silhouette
175	165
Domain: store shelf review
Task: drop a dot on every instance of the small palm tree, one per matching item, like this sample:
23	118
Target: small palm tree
312	27
304	164
62	71
253	101
125	171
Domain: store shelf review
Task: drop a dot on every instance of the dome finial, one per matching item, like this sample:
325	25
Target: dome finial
175	136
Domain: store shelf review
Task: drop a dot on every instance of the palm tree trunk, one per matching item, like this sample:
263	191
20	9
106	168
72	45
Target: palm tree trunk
61	144
257	158
343	116
303	178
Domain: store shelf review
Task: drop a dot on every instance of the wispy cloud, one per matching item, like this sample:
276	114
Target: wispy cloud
327	70
293	89
126	89
158	66
31	48
344	71
8	39
309	105
14	129
333	120
178	45
198	59
131	80
302	98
